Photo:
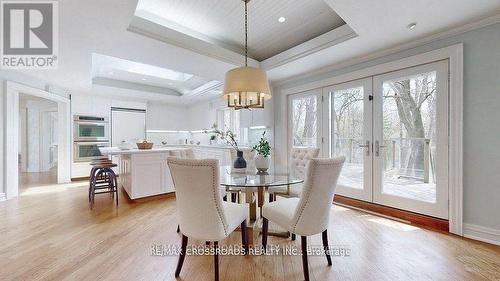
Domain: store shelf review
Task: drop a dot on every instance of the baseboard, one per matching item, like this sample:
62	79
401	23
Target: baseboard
2	197
481	233
401	215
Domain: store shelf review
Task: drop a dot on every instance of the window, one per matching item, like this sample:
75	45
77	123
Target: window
229	119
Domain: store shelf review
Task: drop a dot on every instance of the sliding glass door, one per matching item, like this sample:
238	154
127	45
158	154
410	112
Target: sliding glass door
391	128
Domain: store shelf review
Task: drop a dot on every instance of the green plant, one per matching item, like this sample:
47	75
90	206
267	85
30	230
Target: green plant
263	148
228	136
213	137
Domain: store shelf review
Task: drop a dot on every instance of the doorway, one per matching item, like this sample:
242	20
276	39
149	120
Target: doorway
37	142
393	130
56	156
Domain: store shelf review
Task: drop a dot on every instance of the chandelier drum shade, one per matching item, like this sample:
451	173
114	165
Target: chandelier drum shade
246	87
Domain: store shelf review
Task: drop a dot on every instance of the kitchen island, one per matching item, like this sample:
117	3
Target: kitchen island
143	173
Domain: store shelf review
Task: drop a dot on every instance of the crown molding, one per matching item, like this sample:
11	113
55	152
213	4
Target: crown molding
326	40
392	50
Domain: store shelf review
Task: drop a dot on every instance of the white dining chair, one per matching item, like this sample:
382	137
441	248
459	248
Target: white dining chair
309	214
299	158
203	215
187	153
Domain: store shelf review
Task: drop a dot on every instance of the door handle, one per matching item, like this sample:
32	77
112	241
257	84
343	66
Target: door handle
367	146
378	147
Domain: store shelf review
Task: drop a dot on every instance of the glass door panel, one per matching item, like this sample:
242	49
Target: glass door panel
410	139
305	111
350	136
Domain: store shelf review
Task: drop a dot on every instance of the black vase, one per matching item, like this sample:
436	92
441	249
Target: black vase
240	162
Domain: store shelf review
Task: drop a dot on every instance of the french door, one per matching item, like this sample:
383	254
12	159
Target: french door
410	139
350	134
393	131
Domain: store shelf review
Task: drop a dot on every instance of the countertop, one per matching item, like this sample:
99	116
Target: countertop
117	151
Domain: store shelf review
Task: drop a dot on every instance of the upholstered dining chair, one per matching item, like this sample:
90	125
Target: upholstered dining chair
189	154
309	214
249	156
299	157
184	153
203	215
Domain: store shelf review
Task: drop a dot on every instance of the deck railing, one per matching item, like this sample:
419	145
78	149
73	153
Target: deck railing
397	156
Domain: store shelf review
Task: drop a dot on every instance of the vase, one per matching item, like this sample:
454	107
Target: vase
240	162
261	163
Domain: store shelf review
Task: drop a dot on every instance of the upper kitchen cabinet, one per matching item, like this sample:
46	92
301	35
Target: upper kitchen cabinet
90	105
101	106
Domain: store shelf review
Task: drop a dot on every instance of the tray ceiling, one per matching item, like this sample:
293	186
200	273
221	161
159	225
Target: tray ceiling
221	22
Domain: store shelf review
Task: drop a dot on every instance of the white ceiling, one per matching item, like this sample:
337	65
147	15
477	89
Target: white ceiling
382	24
115	69
96	26
222	22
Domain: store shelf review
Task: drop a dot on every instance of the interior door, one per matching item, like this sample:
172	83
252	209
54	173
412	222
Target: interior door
305	119
350	135
410	139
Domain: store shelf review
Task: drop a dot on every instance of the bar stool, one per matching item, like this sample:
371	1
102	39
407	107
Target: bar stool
102	179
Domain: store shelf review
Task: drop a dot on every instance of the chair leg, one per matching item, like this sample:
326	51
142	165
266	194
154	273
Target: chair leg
265	228
182	256
244	237
216	260
293	237
325	246
305	265
178	228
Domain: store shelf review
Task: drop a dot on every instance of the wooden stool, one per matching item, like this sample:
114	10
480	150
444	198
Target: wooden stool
102	180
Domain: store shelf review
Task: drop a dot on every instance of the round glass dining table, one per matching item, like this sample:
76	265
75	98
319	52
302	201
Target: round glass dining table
253	185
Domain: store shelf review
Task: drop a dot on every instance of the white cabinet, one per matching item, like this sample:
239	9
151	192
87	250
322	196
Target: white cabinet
222	154
145	174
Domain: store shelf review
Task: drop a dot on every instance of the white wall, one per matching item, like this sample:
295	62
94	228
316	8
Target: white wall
481	176
162	116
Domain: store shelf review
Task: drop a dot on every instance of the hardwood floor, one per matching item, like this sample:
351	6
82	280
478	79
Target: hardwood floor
53	235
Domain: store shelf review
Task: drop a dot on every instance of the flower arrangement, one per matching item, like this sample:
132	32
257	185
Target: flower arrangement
228	136
263	148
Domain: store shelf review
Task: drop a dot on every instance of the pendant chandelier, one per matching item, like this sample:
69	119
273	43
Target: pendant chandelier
246	87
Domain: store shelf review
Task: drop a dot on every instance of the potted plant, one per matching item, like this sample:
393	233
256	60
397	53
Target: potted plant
263	149
230	138
212	139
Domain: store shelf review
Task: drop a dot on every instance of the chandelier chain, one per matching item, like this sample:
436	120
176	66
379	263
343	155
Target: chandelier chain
246	33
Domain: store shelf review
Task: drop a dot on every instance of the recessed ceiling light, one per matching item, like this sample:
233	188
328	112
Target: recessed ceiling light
412	25
143	79
281	19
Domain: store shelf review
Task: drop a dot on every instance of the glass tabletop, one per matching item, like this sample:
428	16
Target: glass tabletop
229	177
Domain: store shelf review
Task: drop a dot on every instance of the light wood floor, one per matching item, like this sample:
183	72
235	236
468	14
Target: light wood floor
51	234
